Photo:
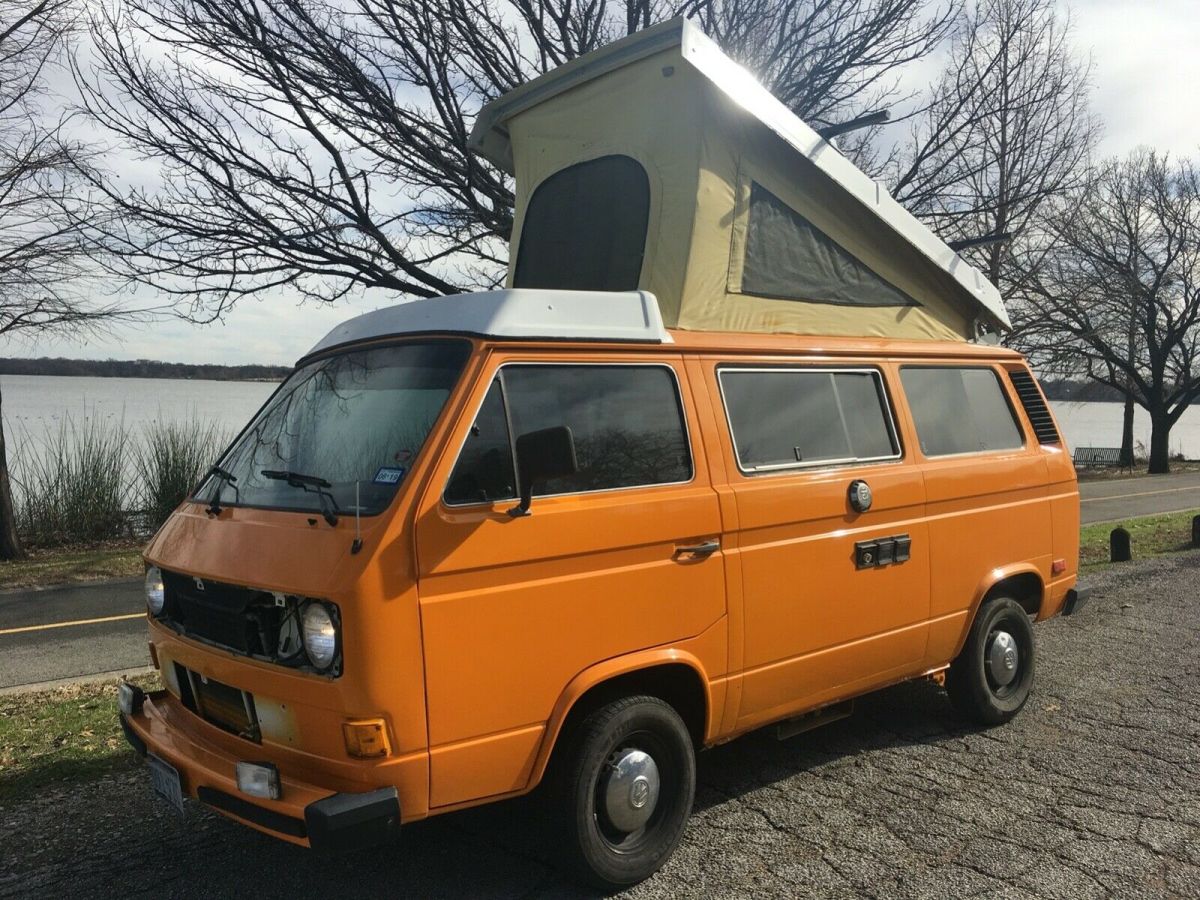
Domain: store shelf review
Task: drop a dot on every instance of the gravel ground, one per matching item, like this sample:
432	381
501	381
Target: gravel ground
1092	791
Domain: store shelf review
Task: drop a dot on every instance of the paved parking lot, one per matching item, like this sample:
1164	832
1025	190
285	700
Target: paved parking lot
1093	791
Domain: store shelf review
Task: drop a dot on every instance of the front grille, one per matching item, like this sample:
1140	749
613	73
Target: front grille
214	612
1035	407
252	622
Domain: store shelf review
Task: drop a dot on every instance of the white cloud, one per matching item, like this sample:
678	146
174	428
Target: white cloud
1147	71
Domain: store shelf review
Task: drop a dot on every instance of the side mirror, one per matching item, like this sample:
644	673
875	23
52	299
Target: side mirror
549	453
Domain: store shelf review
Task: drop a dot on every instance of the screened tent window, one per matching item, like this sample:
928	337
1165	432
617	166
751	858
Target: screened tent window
627	423
484	471
959	410
585	228
787	417
787	257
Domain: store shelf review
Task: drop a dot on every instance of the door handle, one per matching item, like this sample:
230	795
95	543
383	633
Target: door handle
707	548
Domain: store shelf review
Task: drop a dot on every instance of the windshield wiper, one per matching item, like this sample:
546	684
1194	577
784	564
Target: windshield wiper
222	477
311	483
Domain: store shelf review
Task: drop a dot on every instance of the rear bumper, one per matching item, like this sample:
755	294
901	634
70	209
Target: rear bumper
1077	598
305	814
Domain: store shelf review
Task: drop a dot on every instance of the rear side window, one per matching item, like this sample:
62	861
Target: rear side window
959	410
790	417
585	228
626	420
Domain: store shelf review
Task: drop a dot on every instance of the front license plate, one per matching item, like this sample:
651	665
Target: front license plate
164	777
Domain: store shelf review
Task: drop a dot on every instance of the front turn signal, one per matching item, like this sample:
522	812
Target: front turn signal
366	738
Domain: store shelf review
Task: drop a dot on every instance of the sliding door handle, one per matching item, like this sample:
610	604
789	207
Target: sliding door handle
707	548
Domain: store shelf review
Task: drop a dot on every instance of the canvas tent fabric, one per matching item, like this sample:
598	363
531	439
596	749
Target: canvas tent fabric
752	222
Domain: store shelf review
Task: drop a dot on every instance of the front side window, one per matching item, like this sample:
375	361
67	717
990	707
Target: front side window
627	423
783	418
959	410
585	228
349	425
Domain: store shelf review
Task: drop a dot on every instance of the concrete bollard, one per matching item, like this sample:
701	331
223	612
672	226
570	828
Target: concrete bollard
1196	531
1118	545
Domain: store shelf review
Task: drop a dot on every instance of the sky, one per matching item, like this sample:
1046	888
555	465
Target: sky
1146	81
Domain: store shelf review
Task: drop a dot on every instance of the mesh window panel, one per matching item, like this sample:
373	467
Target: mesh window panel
585	228
789	258
1035	407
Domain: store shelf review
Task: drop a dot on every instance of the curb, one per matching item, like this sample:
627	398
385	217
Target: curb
70	585
35	686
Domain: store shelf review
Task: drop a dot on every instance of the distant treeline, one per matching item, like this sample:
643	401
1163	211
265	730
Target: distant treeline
139	368
1062	389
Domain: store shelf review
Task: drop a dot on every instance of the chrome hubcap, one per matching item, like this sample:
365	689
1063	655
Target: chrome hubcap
631	789
1003	658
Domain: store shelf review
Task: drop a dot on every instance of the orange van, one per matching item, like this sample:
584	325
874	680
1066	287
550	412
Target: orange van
478	543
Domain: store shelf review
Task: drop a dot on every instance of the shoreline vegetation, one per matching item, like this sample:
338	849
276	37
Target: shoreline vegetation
94	483
139	368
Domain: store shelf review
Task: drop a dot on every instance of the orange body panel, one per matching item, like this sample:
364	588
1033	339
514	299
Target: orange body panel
472	634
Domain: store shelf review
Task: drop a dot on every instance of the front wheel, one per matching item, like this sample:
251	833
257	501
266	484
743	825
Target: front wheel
992	676
630	782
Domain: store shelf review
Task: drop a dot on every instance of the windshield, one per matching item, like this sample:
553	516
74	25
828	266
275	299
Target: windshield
346	422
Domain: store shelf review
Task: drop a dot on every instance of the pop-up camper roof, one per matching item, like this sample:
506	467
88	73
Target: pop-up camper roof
657	163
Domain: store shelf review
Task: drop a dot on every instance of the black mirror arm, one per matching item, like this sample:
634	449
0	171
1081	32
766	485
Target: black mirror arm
522	507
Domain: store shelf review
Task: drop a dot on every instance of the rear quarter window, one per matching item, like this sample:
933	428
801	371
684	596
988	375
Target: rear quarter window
960	410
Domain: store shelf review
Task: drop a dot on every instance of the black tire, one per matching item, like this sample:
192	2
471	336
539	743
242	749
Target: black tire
973	688
603	854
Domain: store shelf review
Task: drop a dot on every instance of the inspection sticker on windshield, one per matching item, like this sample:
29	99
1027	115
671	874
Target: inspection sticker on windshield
388	475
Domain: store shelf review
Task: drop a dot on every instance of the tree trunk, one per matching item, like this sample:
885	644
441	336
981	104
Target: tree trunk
1160	436
1127	434
10	541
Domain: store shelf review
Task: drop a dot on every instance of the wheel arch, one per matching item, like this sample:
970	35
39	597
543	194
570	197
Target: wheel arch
1023	582
673	676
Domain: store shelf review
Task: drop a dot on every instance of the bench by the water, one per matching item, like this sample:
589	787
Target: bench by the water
1100	456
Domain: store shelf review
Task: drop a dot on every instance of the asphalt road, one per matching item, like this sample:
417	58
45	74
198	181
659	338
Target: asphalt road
1124	498
108	633
1093	791
71	632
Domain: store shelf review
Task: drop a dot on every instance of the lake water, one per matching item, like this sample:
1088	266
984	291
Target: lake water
33	403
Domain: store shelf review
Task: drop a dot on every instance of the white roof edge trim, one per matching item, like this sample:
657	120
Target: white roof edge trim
489	138
514	314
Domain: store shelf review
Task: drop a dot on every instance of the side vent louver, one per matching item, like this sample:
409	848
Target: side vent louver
1035	407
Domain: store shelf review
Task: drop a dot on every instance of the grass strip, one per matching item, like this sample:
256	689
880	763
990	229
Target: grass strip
1149	536
72	565
50	739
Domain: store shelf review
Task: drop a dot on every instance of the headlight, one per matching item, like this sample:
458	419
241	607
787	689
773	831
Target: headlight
155	595
320	635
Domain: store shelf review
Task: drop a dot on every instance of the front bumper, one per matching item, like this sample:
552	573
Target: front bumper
305	814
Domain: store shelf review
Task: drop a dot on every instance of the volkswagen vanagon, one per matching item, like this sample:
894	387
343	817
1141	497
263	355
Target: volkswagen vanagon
733	448
473	541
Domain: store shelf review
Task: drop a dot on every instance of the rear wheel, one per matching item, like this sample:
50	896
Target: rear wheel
629	785
991	679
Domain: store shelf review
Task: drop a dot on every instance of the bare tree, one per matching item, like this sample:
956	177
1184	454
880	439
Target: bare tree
323	146
44	256
1116	296
1006	129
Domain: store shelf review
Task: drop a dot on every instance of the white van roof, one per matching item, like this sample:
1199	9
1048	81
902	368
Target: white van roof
514	314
